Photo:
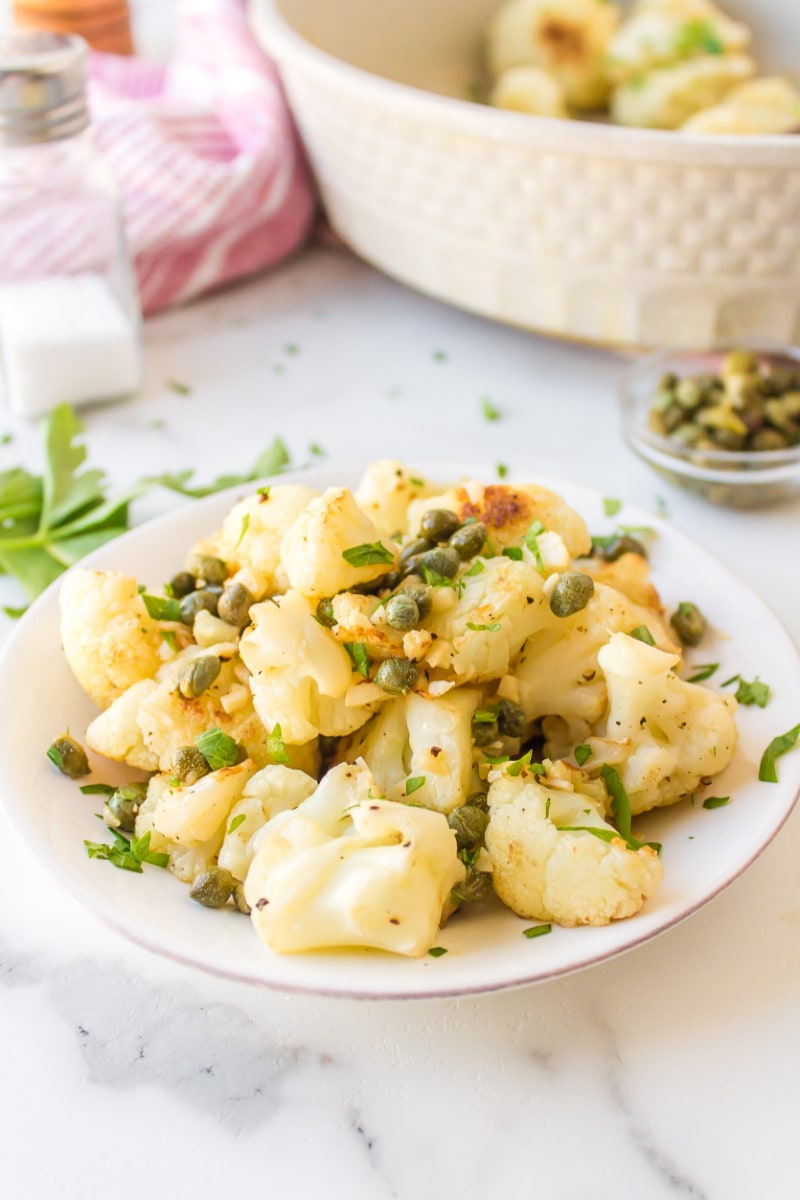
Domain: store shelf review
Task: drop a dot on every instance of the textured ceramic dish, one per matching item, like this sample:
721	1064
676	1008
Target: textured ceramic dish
616	236
703	851
734	479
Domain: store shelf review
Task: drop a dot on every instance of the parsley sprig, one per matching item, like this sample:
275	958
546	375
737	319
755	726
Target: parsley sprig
127	854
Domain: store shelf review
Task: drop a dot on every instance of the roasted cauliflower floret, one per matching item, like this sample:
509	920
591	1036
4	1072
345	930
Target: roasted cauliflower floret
547	867
508	512
529	90
662	734
630	574
300	675
762	106
116	733
568	38
361	619
270	791
312	552
253	531
667	97
191	814
661	32
346	869
109	640
385	492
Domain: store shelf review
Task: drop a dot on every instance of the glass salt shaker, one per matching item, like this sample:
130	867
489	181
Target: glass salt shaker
69	309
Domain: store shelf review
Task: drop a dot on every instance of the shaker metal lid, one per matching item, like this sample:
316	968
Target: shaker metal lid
42	87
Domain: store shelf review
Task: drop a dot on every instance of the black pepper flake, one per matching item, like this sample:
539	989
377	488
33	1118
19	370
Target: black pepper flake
436	751
394	920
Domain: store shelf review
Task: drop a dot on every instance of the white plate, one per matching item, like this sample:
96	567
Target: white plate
703	851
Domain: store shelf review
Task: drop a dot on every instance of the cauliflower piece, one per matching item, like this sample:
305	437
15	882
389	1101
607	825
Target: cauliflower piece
630	574
185	862
253	530
312	551
416	736
762	106
344	869
191	814
568	38
208	630
663	734
109	640
658	33
666	98
529	90
360	619
508	512
385	492
545	867
299	673
271	790
116	733
558	671
506	593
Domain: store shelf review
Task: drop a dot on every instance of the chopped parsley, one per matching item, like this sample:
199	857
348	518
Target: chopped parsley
703	671
582	754
437	951
180	389
610	835
513	552
162	608
485	716
642	634
236	822
611	506
416	481
358	654
439	356
169	637
620	805
368	553
535	931
502	470
315	449
244	528
516	767
716	801
98	789
475	569
531	541
434	579
698	37
778	746
14	614
217	748
414	783
127	854
276	747
750	693
488	410
493	628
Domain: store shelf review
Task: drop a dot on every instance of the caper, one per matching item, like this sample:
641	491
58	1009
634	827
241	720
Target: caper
234	604
611	551
572	593
469	540
213	887
198	675
182	584
188	765
402	611
239	900
390	580
438	524
122	806
196	602
511	719
325	614
738	362
396	676
726	440
208	568
468	824
689	623
778	416
422	595
790	402
69	756
688	394
485	732
475	885
418	546
443	560
768	439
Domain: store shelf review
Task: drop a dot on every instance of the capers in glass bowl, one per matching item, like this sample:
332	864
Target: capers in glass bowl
723	424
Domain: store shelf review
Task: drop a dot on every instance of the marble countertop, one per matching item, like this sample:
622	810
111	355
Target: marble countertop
669	1072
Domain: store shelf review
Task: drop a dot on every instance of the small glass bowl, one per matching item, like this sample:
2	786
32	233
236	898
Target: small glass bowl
735	478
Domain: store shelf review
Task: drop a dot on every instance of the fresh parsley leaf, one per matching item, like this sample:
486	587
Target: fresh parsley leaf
236	822
716	801
485	716
698	37
291	349
170	638
6	439
703	671
243	529
475	569
642	634
15	613
493	628
113	854
609	835
534	931
358	654
532	542
271	461
611	506
513	552
502	470
495	759
217	748
368	553
434	579
516	767
180	389
620	805
276	747
779	746
488	410
582	754
98	789
414	783
753	693
140	848
264	491
439	356
162	608
316	450
437	951
415	481
55	756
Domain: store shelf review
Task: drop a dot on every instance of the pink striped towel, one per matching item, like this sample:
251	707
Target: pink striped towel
213	178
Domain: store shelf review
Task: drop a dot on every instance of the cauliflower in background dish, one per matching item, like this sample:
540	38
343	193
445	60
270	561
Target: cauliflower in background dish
668	96
312	551
299	673
658	33
253	531
508	511
271	790
762	106
109	639
529	90
346	869
385	492
546	867
662	734
566	37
